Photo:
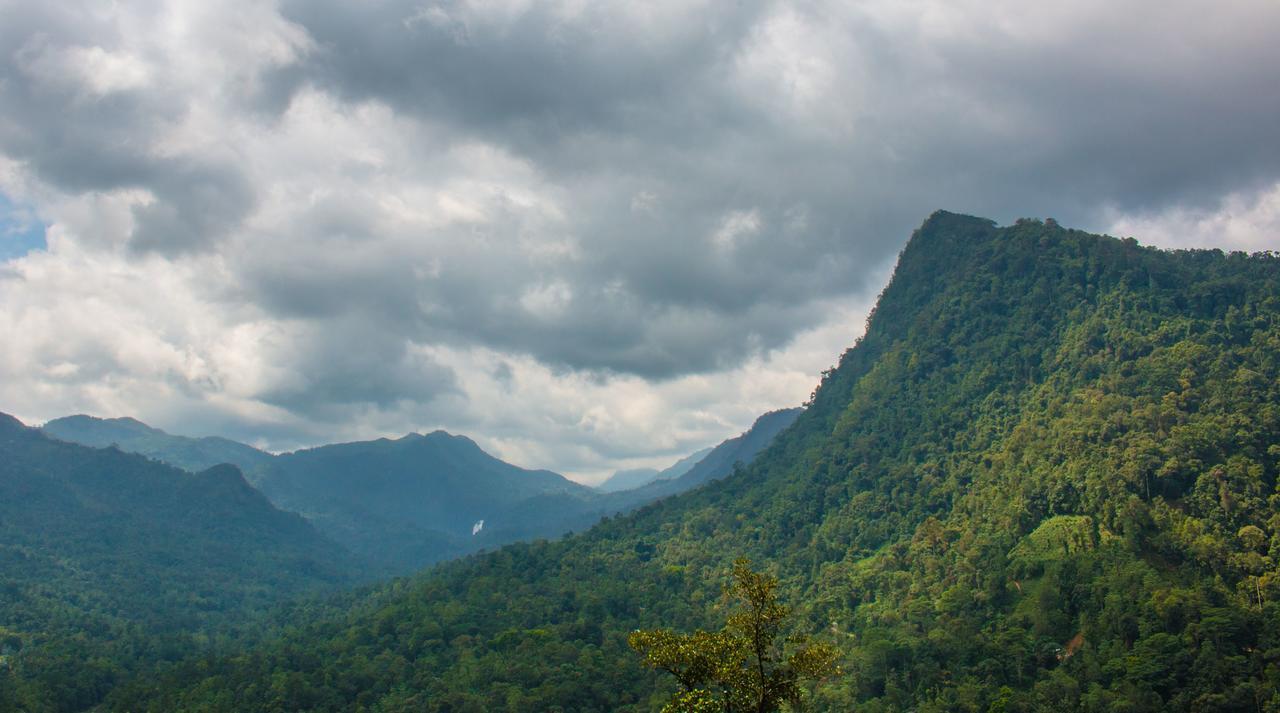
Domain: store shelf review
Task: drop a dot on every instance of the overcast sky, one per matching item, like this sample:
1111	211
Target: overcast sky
587	235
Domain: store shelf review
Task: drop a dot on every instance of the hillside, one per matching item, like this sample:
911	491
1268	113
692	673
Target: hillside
105	554
134	436
639	477
1044	479
628	479
409	502
720	462
400	504
552	515
403	504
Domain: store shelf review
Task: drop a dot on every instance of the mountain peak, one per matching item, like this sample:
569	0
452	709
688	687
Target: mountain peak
944	233
9	423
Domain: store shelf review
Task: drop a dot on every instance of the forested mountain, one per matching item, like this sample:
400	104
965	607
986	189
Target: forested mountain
628	479
1044	479
407	503
413	501
631	479
134	436
110	561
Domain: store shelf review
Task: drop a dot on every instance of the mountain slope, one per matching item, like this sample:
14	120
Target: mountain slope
722	459
133	436
410	502
628	479
631	479
104	552
552	515
400	504
1044	479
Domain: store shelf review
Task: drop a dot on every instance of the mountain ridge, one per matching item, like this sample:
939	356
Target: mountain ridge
1043	479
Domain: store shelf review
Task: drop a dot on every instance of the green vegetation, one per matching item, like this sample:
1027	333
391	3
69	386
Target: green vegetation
741	667
112	563
1044	479
133	436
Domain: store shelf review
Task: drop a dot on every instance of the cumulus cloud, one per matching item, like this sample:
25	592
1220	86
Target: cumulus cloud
586	234
1244	220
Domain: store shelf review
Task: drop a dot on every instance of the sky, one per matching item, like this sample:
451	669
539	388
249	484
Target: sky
589	235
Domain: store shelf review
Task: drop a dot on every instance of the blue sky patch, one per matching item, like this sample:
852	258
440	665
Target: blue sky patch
20	230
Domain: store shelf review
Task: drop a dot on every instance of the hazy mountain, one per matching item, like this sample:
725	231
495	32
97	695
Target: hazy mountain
551	515
412	501
720	461
1044	479
401	504
128	434
406	503
629	479
103	552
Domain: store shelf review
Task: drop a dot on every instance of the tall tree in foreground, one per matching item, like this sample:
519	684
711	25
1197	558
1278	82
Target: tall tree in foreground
741	668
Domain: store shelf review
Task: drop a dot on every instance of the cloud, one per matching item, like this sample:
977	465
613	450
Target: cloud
1245	220
582	233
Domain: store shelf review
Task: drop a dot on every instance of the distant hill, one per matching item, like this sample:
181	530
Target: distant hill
720	461
99	547
128	434
551	515
1045	479
630	479
409	502
400	504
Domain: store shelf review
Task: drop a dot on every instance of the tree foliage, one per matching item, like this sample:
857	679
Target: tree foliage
742	667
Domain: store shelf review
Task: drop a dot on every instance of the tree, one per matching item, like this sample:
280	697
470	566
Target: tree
741	668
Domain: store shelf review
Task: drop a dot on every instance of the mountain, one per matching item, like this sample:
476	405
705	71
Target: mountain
105	554
400	504
628	479
413	501
554	514
631	479
722	459
1044	479
127	434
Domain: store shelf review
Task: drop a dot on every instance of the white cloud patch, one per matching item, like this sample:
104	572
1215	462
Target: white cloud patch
1248	221
736	226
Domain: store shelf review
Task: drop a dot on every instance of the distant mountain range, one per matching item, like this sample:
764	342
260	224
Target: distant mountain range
134	436
722	459
407	503
637	477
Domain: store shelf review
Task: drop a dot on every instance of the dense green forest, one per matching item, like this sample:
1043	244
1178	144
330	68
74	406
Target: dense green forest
1044	479
111	563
